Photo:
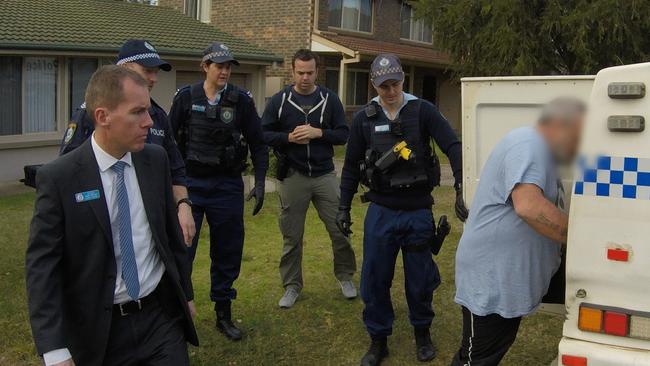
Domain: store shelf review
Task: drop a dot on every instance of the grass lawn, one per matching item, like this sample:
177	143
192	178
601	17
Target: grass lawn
322	329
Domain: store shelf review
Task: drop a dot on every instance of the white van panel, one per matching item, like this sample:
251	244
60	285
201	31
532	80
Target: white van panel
603	355
494	106
601	217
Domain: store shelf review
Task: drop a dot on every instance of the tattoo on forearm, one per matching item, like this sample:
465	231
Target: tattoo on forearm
542	219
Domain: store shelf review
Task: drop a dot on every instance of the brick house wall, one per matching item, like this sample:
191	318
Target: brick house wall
279	26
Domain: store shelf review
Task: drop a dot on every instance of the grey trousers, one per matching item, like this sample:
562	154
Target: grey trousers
296	192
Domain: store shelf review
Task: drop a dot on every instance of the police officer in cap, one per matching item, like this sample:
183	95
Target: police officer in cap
389	152
215	124
141	57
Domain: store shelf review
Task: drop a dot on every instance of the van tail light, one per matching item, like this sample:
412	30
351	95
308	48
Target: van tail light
568	360
614	321
640	327
590	319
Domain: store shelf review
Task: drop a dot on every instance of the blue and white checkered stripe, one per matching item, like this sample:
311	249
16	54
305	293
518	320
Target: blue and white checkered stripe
617	177
141	56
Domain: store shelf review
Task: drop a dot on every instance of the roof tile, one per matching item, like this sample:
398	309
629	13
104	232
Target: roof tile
103	25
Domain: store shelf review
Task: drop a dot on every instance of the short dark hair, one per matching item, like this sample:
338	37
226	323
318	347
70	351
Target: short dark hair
106	89
304	54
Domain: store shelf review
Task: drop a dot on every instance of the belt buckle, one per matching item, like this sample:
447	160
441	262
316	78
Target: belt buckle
122	313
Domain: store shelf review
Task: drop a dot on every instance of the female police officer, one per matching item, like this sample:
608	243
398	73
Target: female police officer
389	151
215	124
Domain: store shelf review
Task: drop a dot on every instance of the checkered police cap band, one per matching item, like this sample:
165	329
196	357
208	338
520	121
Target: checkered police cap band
141	56
386	71
223	53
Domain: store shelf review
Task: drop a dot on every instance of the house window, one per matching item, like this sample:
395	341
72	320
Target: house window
146	2
81	69
355	15
28	94
192	8
407	83
332	80
198	9
414	29
357	88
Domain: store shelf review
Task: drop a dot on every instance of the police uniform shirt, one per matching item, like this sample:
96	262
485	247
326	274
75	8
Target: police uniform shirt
433	124
82	126
247	118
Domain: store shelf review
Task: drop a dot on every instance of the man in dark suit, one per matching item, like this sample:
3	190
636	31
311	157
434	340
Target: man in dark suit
107	270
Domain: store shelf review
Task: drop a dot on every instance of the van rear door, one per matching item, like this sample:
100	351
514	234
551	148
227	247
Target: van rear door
491	108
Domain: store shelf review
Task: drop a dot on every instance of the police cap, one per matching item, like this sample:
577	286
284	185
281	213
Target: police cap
143	53
386	66
219	53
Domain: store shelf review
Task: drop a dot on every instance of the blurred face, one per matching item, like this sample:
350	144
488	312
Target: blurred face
217	74
150	74
125	127
390	92
304	76
563	138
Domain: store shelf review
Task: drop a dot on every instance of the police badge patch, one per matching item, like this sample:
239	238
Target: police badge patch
72	127
227	114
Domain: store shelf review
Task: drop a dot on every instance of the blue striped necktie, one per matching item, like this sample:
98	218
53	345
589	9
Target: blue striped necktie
129	266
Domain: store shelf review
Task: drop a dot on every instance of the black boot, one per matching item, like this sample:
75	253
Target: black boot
423	345
378	351
224	321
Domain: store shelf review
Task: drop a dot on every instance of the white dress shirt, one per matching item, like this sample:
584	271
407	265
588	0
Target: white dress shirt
150	267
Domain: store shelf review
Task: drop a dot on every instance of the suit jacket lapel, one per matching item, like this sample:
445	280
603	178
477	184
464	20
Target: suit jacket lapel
89	179
145	173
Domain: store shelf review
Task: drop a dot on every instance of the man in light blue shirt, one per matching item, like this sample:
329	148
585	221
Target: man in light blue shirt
511	244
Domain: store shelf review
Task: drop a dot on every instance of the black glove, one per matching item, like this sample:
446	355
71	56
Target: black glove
440	233
343	221
461	210
258	193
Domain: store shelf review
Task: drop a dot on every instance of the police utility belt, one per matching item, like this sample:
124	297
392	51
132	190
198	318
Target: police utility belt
215	144
398	159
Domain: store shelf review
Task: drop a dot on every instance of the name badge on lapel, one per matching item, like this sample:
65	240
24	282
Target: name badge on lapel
227	114
198	108
87	196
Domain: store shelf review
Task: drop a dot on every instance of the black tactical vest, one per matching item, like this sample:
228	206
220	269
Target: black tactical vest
215	144
420	172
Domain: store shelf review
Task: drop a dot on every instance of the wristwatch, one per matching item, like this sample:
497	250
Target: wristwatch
183	200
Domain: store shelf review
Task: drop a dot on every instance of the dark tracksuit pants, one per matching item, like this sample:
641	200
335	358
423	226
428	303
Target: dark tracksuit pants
486	339
386	231
221	200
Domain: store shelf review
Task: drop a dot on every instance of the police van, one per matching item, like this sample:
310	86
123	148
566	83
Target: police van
605	295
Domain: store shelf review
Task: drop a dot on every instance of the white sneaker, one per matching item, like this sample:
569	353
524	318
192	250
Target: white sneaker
348	289
289	298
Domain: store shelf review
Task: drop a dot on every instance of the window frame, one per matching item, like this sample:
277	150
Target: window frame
341	28
412	21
